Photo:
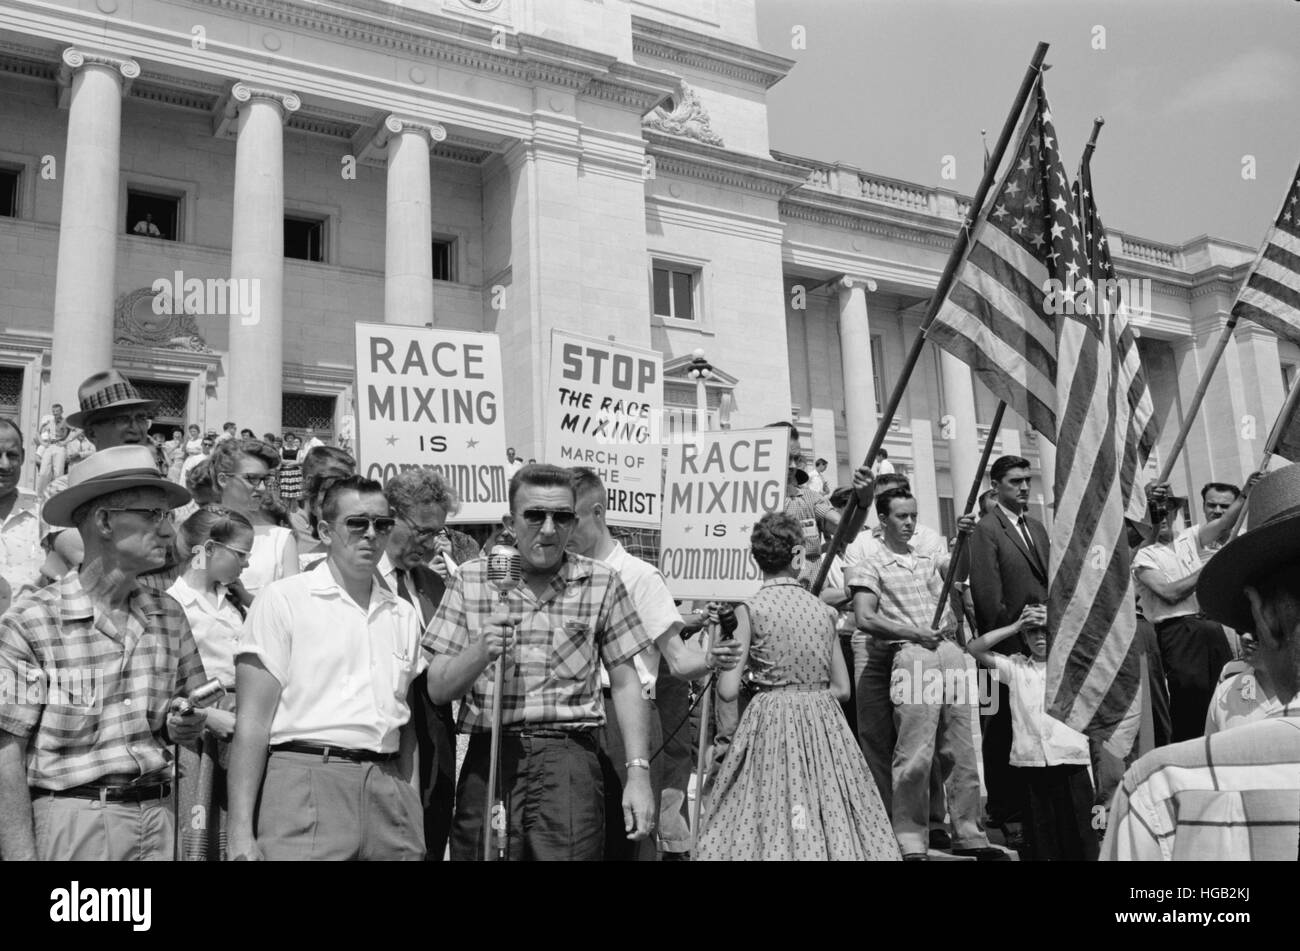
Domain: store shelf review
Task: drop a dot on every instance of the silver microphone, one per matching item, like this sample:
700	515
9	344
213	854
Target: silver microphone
505	569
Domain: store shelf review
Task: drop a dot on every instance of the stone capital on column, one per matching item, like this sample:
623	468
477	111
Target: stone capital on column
225	121
433	131
850	283
75	58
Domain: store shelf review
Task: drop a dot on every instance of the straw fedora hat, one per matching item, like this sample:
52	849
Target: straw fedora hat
1271	540
110	470
105	391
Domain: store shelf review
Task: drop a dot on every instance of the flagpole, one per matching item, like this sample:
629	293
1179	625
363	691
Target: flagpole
971	498
854	515
1274	436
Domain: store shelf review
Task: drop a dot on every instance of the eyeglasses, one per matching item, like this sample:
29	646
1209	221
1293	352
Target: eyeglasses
239	553
562	518
360	524
126	419
152	516
422	534
253	481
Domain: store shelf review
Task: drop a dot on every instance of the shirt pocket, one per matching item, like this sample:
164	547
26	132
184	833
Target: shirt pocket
403	659
573	651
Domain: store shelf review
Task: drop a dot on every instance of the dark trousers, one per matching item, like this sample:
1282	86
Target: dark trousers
1058	813
1194	651
554	796
673	701
435	734
613	765
1006	788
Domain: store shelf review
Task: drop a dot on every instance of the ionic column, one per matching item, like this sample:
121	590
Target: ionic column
408	238
960	427
855	356
89	224
257	257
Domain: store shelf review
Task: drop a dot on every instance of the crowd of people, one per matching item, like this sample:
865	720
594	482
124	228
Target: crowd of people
226	647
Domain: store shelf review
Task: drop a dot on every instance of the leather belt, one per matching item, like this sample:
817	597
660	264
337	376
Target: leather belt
112	793
326	753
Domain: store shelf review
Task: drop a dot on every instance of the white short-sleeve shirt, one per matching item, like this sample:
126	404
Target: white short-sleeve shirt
344	670
1037	739
654	605
215	626
1166	562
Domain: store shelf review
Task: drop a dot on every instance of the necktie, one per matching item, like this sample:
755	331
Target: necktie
1029	540
403	591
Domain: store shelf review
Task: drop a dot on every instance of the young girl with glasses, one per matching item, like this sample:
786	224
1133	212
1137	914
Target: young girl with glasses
213	547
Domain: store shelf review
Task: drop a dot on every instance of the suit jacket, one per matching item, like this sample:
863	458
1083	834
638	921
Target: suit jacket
1004	574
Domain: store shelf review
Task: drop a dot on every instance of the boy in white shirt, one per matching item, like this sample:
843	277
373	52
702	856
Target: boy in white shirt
1052	758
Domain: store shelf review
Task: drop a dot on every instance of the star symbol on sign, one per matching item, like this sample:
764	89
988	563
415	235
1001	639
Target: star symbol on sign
744	529
1013	189
471	444
391	440
1025	164
688	528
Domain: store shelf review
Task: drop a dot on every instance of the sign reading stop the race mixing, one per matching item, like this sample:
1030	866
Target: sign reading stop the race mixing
717	487
603	410
429	397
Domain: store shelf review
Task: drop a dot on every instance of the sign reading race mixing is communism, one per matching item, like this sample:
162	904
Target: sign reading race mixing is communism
716	487
431	397
603	408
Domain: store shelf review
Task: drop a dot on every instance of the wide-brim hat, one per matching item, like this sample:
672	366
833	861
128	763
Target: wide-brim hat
1270	541
110	470
104	391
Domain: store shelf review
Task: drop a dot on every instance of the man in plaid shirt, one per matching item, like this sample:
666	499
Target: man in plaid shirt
568	610
88	669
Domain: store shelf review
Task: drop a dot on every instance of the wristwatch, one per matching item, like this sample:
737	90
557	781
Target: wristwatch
643	763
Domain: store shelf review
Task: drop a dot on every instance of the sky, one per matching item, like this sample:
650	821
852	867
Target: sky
1196	95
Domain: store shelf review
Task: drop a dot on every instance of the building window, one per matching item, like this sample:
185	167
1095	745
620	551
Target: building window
172	400
877	369
11	391
9	179
304	238
444	260
152	215
674	292
308	415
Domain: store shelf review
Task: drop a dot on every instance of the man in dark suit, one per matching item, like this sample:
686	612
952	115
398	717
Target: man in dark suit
1008	570
421	500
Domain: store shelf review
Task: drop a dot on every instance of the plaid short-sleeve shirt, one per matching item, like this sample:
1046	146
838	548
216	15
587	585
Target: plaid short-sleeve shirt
91	700
907	586
552	678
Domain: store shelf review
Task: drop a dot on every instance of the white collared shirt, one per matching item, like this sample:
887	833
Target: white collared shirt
654	606
215	627
1037	739
21	556
344	669
388	572
925	541
1171	565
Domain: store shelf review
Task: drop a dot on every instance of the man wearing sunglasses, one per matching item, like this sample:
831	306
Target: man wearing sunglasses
85	761
325	665
420	500
568	614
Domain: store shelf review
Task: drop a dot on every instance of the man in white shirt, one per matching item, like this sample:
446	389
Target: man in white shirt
192	461
513	462
883	465
1193	649
325	665
146	226
687	662
21	556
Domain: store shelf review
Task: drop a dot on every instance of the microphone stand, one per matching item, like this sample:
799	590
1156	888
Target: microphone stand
495	814
706	713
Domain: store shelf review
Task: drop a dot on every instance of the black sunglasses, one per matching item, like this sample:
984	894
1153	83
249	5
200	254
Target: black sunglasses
536	518
360	524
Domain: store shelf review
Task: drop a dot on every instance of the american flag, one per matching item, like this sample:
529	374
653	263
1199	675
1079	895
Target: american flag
994	317
1271	295
1107	432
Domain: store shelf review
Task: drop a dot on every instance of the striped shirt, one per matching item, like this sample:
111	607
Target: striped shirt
907	587
552	679
89	700
1231	796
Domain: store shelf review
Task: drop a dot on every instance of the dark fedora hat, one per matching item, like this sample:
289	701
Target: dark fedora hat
101	392
110	470
1271	541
